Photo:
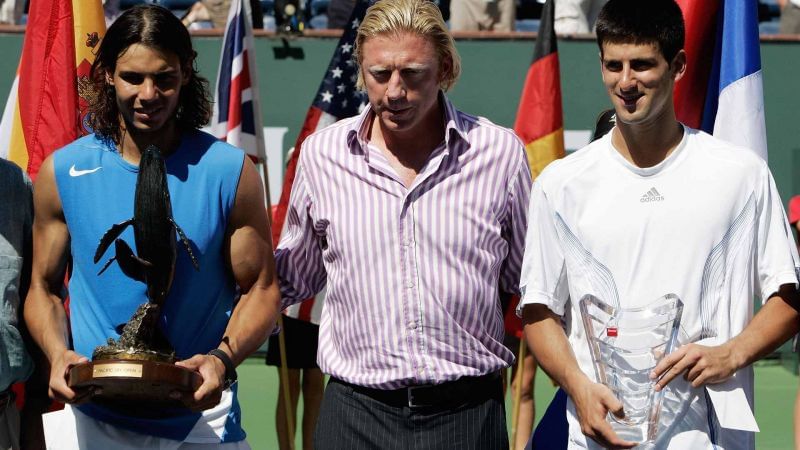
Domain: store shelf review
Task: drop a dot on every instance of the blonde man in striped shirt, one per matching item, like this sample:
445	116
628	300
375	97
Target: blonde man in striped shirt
414	213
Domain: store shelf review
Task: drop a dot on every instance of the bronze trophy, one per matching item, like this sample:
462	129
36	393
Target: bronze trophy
137	374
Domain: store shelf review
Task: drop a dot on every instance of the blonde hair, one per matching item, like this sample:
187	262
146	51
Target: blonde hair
420	17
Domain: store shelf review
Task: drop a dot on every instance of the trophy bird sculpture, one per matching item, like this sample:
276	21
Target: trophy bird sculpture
154	231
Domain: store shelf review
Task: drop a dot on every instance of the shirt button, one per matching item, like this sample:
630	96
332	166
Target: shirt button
409	284
412	325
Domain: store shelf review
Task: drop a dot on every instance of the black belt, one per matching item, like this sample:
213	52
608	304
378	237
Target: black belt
449	393
6	397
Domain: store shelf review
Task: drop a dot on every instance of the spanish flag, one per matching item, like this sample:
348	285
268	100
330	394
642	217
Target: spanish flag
540	122
47	105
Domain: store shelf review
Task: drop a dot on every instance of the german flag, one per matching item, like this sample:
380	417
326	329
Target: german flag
540	121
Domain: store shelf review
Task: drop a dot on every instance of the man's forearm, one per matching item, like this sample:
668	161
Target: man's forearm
592	401
773	325
776	322
46	321
550	346
252	321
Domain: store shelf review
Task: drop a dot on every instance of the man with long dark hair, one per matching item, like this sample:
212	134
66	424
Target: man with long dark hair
147	92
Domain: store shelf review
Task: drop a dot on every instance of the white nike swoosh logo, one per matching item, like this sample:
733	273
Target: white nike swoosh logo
77	173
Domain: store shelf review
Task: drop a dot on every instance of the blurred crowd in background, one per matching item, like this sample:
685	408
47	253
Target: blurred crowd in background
294	16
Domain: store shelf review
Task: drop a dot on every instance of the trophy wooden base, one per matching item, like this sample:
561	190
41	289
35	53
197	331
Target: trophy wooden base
135	387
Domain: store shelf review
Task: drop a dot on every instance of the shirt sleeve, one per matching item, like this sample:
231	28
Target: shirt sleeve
519	192
298	257
777	259
543	278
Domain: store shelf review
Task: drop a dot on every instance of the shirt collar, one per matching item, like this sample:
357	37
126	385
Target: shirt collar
454	122
454	126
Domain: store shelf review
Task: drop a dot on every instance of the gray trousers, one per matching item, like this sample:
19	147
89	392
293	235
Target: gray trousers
352	420
9	427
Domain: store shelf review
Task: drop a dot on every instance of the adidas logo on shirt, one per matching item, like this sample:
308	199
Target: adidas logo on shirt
651	196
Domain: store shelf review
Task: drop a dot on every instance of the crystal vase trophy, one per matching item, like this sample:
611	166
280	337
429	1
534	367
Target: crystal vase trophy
626	344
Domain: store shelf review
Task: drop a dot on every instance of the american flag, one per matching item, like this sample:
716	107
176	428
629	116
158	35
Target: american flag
337	98
237	115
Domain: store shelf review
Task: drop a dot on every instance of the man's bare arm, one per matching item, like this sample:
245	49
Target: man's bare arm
549	344
44	311
253	267
776	322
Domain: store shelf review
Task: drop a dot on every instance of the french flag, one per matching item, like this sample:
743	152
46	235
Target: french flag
722	90
237	115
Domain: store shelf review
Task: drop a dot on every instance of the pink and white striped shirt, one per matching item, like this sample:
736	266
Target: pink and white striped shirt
413	274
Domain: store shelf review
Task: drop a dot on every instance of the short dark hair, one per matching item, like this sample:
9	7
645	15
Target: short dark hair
157	28
657	22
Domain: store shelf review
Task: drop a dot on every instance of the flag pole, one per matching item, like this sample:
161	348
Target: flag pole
284	368
285	383
238	43
518	376
267	196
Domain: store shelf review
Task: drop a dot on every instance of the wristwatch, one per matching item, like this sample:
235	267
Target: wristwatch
230	369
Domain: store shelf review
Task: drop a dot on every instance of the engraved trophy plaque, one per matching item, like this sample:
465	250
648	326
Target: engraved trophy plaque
626	344
136	373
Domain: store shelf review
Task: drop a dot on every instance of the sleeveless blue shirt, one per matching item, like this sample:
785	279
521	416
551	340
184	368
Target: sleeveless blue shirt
96	187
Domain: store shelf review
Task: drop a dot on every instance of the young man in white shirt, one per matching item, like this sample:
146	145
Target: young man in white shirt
654	208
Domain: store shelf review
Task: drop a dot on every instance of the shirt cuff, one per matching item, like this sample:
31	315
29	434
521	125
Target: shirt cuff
531	297
773	283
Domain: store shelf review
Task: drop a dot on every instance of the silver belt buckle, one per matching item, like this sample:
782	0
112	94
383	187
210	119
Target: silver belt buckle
410	397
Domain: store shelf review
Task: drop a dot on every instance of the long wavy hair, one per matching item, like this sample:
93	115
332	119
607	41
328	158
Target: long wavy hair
157	28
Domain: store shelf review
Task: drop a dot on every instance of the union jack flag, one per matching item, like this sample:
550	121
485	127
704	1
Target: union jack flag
237	115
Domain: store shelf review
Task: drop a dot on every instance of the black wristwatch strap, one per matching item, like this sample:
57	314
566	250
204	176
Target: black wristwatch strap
230	369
